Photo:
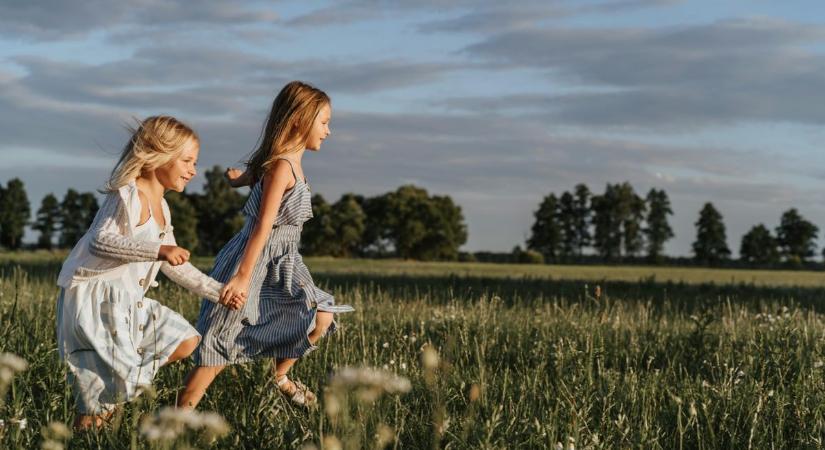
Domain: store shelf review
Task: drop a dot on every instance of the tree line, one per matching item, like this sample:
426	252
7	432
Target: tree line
617	225
406	223
621	225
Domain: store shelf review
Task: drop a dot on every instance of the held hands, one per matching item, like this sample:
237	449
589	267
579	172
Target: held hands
233	294
173	254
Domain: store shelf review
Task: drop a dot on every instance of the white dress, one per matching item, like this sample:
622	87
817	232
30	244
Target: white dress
113	338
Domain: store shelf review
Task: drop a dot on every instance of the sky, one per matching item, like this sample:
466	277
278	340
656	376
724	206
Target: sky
495	104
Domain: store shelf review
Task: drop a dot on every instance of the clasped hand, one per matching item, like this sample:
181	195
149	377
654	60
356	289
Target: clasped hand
233	294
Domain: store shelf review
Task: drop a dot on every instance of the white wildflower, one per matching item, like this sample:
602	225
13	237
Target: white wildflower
51	445
11	365
429	358
169	423
365	378
386	345
384	436
213	424
57	430
332	443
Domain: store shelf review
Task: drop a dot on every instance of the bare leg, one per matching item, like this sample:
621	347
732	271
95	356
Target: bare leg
196	384
322	322
184	349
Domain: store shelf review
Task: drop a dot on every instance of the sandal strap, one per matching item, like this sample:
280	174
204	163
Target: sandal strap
282	381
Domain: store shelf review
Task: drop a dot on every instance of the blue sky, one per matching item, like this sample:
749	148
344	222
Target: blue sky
494	103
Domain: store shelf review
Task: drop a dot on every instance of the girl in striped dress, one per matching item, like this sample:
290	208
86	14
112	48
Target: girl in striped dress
286	313
114	338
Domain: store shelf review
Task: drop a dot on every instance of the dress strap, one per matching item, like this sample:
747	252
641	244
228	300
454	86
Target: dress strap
291	167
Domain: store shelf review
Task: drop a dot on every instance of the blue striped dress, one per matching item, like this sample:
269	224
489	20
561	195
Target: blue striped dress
282	298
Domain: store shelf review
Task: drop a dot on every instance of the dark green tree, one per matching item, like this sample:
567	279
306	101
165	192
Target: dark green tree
319	231
582	212
759	246
184	219
219	212
607	229
47	221
546	237
14	213
617	221
450	234
349	222
375	240
631	208
796	237
424	227
711	245
77	211
568	225
658	230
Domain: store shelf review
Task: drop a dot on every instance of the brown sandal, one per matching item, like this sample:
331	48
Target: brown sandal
296	392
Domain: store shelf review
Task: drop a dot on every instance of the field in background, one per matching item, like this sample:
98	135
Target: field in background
528	358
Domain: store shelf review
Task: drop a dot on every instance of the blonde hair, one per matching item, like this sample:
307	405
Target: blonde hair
154	142
288	125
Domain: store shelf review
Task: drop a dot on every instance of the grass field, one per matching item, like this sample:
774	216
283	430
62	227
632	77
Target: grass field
528	357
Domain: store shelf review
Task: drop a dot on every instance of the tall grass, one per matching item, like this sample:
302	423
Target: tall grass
494	362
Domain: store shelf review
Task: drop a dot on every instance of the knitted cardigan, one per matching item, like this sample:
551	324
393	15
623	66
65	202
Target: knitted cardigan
107	248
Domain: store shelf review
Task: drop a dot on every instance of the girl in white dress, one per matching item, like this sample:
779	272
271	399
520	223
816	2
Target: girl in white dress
113	338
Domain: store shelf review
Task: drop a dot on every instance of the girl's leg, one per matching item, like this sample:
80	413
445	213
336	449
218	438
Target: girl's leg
322	322
184	349
196	384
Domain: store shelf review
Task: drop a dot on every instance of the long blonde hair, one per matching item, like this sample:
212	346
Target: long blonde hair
155	141
288	125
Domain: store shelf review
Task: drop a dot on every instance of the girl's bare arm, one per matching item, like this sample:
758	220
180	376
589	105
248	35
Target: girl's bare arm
238	178
275	183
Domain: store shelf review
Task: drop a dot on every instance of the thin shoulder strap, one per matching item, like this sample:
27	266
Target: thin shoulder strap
291	167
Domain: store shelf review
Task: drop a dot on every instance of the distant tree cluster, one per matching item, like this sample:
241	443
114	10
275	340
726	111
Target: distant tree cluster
59	223
620	224
614	224
408	223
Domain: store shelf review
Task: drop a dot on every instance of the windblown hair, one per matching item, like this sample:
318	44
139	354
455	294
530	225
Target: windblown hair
288	126
154	142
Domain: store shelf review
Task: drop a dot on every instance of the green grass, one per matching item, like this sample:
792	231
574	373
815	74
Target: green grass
665	358
559	272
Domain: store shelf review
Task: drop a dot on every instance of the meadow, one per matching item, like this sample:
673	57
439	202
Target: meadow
496	356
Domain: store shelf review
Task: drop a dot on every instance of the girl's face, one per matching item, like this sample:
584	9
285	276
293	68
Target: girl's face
320	128
177	173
